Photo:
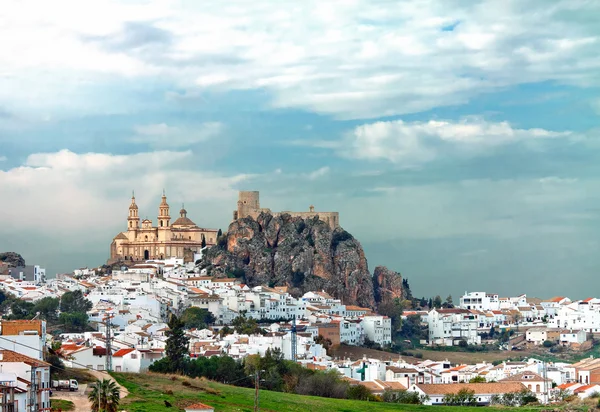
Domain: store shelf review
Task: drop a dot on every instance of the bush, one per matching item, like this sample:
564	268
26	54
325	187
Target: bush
548	344
360	393
404	397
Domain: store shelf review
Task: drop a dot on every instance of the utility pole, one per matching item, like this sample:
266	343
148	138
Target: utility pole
256	383
294	340
108	365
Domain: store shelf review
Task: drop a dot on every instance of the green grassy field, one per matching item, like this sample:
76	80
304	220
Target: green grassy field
149	391
62	404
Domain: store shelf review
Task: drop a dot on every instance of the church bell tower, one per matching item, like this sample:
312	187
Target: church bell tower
164	220
133	220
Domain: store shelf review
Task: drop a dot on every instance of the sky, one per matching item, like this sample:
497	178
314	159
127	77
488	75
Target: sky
457	139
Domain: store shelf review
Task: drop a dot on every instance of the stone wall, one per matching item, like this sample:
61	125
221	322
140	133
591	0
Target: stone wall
248	205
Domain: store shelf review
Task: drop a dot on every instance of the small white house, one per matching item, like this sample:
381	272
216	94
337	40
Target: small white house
199	407
569	337
483	392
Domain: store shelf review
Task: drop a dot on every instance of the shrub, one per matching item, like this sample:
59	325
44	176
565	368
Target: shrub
186	383
548	344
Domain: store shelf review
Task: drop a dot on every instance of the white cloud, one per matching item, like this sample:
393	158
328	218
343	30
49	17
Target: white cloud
3	159
162	135
84	194
351	59
318	173
414	143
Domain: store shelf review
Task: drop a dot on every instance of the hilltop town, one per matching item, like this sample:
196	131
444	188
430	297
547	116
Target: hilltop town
120	321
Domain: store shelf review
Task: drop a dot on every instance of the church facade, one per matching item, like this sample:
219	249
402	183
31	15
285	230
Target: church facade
145	241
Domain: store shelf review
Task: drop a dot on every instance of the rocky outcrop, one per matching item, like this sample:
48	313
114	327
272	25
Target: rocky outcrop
303	254
388	285
12	258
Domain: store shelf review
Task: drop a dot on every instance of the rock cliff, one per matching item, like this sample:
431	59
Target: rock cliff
303	254
12	258
388	285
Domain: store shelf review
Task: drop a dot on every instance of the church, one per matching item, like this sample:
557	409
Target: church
163	241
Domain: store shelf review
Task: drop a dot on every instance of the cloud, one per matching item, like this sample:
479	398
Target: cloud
415	143
161	135
318	173
81	191
357	59
3	158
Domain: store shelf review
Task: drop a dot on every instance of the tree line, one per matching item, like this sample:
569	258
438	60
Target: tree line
68	313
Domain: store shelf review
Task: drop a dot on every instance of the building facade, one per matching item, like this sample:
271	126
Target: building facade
166	240
248	205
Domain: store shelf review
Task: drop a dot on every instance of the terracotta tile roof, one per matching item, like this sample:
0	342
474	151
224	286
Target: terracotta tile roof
396	369
526	376
586	387
478	388
567	385
391	385
10	356
122	352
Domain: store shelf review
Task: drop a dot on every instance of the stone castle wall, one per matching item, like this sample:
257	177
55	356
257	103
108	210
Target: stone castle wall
248	205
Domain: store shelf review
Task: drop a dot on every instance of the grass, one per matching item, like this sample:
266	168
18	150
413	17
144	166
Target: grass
81	375
62	404
149	391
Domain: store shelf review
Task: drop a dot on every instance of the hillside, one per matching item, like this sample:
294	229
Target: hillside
302	254
12	258
149	391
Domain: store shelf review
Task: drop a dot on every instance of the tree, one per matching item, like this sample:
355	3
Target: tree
463	397
177	344
245	326
203	244
430	304
448	303
393	310
219	233
21	309
492	332
105	396
198	318
437	302
53	359
423	302
325	342
411	327
74	322
74	302
477	379
47	307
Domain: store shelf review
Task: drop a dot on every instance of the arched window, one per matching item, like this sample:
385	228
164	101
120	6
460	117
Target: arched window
146	238
161	223
130	224
537	387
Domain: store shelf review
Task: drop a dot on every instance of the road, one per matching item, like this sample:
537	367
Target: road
79	398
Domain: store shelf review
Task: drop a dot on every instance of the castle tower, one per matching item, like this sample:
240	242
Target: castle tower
163	212
248	205
133	220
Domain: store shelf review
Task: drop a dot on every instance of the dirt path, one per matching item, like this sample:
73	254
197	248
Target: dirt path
79	398
103	375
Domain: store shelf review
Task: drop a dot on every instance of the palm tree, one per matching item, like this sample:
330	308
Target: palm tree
104	396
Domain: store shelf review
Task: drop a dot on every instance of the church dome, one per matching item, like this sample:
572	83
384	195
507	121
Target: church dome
183	221
183	212
133	206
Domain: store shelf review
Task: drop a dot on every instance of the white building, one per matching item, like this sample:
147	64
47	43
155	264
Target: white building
450	326
378	329
479	301
33	375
